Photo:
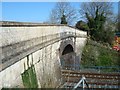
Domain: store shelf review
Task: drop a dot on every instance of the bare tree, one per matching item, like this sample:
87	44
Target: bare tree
90	8
98	15
63	8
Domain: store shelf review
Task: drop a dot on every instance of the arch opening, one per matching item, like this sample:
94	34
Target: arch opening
68	49
68	57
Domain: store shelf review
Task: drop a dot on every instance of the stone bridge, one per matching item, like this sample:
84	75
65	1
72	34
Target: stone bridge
46	47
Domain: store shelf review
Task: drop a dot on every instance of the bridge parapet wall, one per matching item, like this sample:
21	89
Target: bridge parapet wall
20	42
11	35
16	40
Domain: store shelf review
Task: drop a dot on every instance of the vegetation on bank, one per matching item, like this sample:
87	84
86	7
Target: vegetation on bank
96	54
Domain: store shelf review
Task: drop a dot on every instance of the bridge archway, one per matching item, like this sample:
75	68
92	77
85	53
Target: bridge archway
67	54
68	49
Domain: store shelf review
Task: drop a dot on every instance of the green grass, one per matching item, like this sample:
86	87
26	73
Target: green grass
95	54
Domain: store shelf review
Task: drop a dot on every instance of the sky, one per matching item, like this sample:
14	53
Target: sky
33	11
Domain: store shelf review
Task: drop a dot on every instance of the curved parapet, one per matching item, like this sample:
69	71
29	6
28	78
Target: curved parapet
32	44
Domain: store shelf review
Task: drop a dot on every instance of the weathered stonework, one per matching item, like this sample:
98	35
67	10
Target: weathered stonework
43	45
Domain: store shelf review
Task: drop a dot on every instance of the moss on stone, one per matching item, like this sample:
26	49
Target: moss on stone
29	78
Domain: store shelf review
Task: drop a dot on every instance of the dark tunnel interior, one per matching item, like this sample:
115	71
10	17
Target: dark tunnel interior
67	49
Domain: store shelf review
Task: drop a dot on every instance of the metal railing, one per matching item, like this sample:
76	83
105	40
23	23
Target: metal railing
94	80
83	82
104	68
91	68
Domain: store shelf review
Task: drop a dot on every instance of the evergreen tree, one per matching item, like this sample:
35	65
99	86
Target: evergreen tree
63	19
82	25
97	15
